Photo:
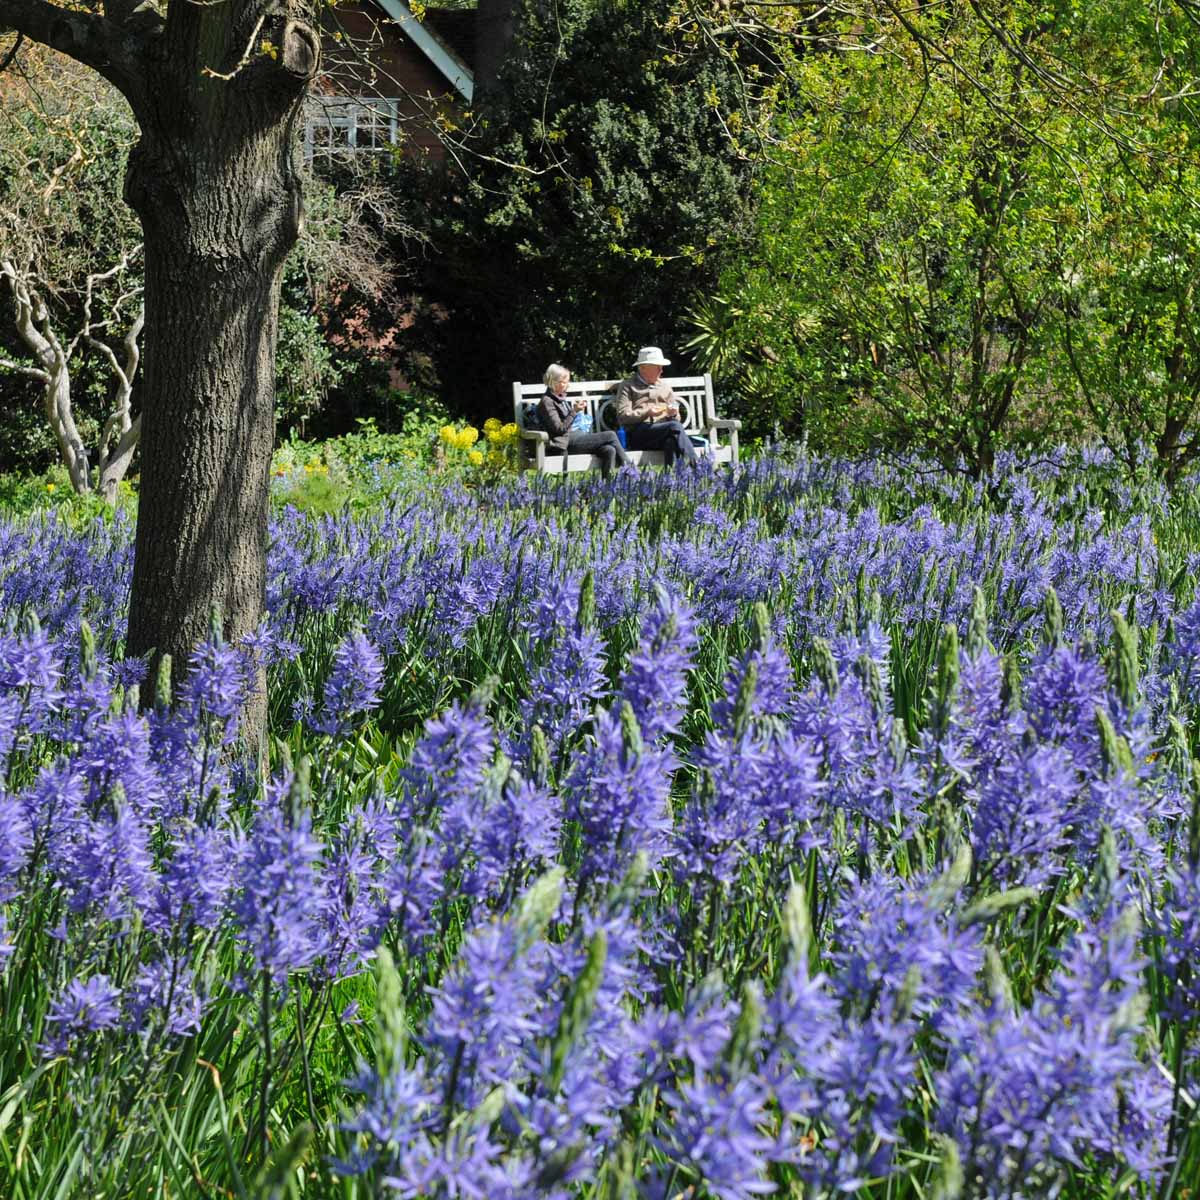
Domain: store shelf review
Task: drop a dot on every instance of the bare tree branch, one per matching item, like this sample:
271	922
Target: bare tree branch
246	58
11	56
98	277
87	37
17	368
34	327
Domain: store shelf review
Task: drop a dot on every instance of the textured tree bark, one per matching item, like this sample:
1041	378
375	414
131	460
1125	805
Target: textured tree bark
206	437
215	181
216	89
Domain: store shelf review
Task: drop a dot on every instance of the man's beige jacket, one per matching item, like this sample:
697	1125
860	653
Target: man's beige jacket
639	401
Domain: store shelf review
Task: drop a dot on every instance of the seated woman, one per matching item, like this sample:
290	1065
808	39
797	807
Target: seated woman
558	416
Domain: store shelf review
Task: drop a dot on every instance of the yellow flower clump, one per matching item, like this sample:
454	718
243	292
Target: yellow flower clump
459	439
500	435
492	452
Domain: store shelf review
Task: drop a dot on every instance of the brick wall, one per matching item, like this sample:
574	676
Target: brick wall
375	58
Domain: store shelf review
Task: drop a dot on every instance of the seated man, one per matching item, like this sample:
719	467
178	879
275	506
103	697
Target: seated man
648	410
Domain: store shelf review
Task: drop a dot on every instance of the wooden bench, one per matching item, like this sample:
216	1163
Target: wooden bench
697	411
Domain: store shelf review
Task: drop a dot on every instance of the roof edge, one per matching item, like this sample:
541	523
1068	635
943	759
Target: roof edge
461	77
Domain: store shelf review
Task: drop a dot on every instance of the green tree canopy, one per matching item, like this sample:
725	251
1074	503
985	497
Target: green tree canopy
978	229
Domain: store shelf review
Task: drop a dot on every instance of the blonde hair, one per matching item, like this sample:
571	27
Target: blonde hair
555	372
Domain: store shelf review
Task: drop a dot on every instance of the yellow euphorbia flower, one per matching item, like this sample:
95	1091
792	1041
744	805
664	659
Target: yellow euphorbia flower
509	433
449	435
467	437
491	426
476	458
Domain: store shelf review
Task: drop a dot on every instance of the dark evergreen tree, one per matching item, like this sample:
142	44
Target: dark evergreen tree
599	200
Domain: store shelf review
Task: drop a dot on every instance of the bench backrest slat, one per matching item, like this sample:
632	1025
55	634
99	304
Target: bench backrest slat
694	392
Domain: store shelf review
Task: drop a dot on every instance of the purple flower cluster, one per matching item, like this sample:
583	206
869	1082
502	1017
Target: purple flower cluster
1030	1092
738	873
353	686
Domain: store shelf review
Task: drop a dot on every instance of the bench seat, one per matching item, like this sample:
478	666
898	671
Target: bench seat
643	458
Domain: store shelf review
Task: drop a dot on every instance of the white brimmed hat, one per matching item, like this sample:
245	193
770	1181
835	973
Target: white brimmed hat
651	356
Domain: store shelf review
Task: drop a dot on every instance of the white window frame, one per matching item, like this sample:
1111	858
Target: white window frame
346	114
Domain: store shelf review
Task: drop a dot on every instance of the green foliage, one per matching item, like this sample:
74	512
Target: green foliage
419	417
26	441
24	493
908	256
324	477
305	366
64	140
314	492
1129	340
52	491
610	192
950	256
730	338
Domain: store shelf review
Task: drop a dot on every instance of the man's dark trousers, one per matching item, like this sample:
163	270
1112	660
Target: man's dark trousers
668	436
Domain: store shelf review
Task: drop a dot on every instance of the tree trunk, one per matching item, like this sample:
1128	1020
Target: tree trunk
53	372
59	414
208	398
216	183
115	464
216	89
119	438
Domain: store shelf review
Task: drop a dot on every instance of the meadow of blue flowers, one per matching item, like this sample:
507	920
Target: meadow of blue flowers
810	830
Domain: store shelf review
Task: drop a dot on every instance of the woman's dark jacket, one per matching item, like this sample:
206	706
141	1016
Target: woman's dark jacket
556	414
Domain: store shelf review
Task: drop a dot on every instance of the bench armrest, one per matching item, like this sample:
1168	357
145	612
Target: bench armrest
534	435
724	423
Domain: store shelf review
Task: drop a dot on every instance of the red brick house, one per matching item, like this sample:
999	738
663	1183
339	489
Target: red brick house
386	73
